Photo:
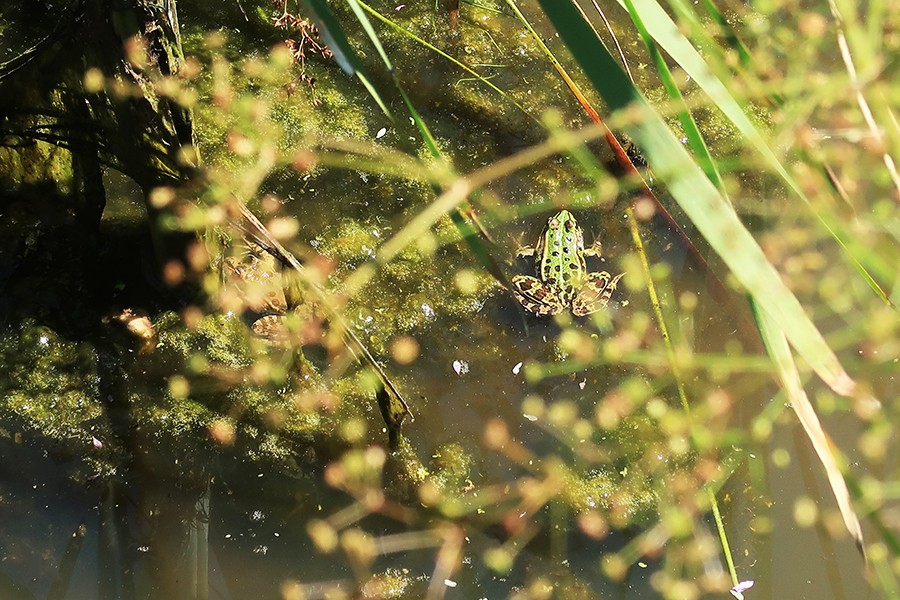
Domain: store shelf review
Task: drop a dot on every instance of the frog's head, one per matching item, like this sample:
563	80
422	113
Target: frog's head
564	219
564	229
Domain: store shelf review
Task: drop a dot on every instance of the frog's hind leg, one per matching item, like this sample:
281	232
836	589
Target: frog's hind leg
595	293
536	296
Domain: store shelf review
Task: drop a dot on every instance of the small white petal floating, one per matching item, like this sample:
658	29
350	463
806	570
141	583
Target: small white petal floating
738	590
461	367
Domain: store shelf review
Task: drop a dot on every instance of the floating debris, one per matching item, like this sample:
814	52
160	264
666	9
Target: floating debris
738	590
429	312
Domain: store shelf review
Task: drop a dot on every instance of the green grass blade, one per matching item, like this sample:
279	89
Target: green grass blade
612	34
252	227
731	36
367	27
671	355
333	35
346	57
710	45
622	158
695	138
665	32
698	197
780	353
375	95
474	237
848	30
396	27
424	131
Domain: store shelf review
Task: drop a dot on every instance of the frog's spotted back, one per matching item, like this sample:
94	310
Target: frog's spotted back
564	280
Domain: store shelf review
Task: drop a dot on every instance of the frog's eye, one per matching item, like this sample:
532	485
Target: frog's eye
553	224
570	225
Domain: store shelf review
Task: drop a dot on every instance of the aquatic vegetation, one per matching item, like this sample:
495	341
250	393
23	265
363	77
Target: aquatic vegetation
50	395
330	228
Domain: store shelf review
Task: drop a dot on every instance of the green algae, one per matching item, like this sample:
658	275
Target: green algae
51	391
391	584
629	498
220	338
209	389
452	467
379	309
49	394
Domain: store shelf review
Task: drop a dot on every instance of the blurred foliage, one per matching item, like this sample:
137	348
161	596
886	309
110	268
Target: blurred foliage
547	455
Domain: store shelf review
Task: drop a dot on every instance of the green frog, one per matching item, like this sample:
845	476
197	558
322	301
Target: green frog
563	280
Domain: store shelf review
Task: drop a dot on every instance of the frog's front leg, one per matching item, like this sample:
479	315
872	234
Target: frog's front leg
536	296
524	251
595	249
595	293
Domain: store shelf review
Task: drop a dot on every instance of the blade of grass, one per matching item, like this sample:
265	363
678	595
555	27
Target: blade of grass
706	39
375	95
455	194
695	138
464	220
612	34
699	198
396	27
474	236
624	161
370	32
857	85
346	57
883	528
805	464
778	349
731	36
665	32
253	228
679	380
576	91
471	232
621	155
331	32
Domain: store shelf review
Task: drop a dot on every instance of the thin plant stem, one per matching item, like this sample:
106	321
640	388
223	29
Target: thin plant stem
723	537
679	382
857	85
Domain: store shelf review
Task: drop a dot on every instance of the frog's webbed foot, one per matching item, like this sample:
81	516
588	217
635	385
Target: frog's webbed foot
595	293
536	296
594	249
524	251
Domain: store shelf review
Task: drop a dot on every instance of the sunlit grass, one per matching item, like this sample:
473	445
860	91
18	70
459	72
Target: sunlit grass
370	227
736	246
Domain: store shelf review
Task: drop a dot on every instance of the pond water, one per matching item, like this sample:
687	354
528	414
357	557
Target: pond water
115	482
